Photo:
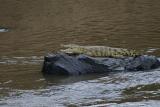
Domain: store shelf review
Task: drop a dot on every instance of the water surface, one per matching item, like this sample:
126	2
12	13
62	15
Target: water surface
39	27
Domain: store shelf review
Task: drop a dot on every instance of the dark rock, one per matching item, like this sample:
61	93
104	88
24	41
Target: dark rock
143	63
64	64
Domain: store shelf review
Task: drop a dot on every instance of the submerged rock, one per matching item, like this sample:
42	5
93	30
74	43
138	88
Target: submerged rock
64	64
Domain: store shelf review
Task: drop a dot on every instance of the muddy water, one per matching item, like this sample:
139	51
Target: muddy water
39	27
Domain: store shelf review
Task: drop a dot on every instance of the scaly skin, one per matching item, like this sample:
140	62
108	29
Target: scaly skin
98	51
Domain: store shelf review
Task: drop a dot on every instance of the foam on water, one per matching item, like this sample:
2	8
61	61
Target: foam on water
4	29
106	90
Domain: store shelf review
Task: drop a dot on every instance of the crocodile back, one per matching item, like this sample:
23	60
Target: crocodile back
99	51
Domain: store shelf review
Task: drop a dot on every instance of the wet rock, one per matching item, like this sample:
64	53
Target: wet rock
64	64
143	63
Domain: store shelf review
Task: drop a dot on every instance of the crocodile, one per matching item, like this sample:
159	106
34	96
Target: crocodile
98	51
78	60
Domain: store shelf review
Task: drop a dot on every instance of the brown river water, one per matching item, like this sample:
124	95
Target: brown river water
38	27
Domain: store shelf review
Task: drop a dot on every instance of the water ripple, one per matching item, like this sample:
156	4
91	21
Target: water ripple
21	60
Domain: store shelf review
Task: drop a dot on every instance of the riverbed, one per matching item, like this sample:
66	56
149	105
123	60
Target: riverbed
35	28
